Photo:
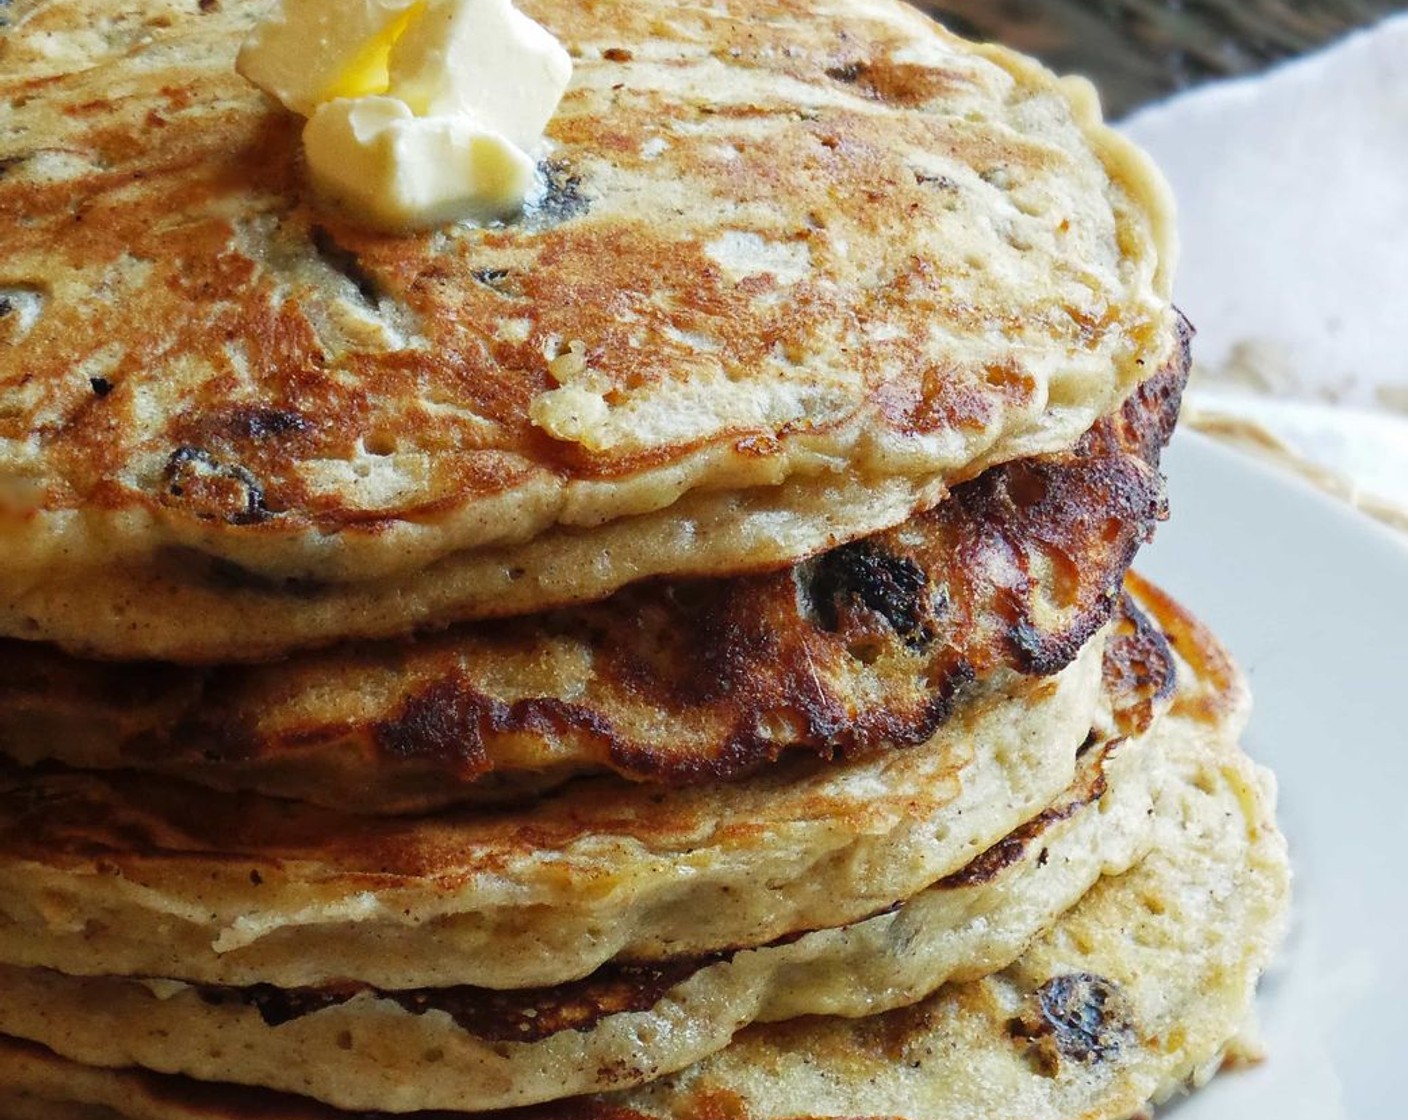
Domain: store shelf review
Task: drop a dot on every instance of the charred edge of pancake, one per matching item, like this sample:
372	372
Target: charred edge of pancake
524	1015
1139	668
1133	504
1013	848
514	1015
1138	673
494	1016
1200	648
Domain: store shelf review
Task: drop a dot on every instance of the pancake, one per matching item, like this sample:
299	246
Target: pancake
469	1048
138	875
1143	988
868	647
794	271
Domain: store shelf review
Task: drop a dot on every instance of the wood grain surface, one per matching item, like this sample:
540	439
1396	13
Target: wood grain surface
1139	50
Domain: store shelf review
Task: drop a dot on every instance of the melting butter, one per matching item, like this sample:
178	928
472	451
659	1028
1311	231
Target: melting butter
369	71
310	51
421	112
378	159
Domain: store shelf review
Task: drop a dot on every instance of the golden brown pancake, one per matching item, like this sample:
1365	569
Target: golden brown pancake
868	646
474	1048
1142	989
145	875
797	270
360	1047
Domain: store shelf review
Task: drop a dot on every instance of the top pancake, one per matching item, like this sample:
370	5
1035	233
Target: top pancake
798	268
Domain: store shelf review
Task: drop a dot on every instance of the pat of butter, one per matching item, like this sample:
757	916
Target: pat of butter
420	111
375	157
310	51
483	59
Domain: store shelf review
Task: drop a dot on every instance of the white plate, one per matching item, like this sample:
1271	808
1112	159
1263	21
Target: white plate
1312	599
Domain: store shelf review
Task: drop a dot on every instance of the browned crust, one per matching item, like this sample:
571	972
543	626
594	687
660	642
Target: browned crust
865	647
527	1015
1140	678
1139	666
1198	646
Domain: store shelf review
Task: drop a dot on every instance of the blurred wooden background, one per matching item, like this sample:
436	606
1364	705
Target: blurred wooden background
1139	50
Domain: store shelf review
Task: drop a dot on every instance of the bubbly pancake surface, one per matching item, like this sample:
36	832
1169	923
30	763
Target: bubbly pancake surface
868	646
795	269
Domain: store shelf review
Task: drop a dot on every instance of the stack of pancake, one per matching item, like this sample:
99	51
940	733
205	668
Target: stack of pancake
669	655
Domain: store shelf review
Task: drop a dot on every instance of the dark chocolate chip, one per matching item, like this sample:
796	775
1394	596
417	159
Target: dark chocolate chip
894	587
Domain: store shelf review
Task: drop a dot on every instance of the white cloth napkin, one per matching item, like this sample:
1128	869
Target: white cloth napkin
1293	207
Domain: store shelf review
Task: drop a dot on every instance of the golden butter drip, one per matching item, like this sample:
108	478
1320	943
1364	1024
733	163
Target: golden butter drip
369	72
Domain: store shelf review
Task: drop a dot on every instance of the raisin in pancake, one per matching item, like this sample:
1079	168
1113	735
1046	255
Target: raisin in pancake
796	269
360	1048
1143	988
135	874
868	646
